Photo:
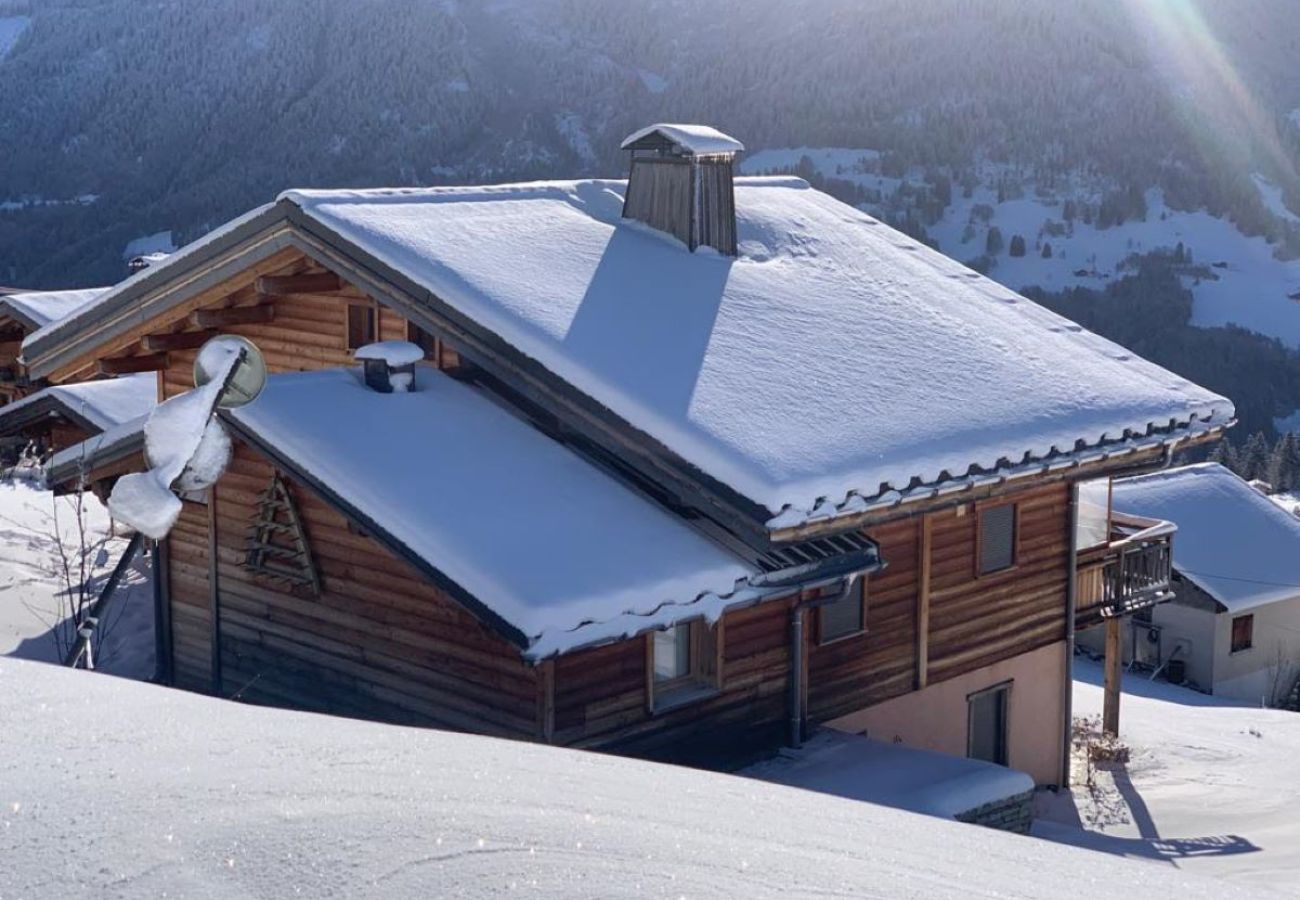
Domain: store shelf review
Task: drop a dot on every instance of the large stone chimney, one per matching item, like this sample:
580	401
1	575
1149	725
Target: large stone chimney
681	183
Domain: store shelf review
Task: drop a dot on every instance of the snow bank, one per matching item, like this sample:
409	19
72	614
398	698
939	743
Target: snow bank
111	787
1233	542
185	446
922	781
554	546
33	601
1211	788
833	360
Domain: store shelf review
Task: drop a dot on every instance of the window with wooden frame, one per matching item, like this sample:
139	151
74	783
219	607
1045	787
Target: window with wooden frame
1243	633
846	617
684	664
363	325
996	544
422	339
987	736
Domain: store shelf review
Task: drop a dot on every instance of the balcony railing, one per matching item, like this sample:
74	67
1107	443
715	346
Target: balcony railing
1132	572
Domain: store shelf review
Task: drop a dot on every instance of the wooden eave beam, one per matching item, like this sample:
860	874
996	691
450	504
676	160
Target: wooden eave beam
181	340
126	365
233	315
306	283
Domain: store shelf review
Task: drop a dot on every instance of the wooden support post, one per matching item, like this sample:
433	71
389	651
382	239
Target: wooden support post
546	701
306	283
214	595
181	340
126	365
923	603
1114	675
232	315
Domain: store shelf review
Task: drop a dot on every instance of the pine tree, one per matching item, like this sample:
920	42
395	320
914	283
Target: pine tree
1017	246
993	245
1284	464
1254	458
1047	250
1224	454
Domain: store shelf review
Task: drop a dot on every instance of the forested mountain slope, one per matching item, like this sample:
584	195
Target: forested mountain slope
123	118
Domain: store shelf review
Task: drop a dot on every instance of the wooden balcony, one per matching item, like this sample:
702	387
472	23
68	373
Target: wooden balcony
1131	572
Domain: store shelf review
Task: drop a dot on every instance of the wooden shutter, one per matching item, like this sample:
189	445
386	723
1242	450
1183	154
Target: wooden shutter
997	544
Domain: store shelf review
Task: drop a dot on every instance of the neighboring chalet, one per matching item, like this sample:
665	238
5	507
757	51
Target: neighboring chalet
23	313
683	505
1234	628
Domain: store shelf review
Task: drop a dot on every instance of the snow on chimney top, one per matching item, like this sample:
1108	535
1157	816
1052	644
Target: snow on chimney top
681	182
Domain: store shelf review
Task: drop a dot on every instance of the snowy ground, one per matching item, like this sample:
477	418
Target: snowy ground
114	788
33	590
1211	788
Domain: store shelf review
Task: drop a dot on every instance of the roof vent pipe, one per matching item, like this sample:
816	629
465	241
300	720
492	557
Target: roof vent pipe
389	366
682	182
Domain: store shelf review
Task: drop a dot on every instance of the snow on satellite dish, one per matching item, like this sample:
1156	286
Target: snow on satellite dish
249	377
186	447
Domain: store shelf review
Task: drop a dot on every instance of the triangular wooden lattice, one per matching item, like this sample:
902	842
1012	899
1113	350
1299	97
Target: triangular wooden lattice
278	545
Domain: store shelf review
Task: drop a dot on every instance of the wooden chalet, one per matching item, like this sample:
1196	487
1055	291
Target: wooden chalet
677	504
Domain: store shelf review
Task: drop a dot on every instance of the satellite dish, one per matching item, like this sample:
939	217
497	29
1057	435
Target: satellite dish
248	379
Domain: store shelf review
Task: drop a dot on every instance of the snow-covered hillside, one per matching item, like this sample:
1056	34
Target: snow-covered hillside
110	787
1235	278
33	586
1211	788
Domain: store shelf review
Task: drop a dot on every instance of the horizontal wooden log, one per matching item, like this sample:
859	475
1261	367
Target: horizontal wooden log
181	340
305	283
232	315
126	365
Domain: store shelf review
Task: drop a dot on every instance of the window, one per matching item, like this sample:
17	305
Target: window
422	339
1243	633
844	618
986	728
684	664
361	326
997	538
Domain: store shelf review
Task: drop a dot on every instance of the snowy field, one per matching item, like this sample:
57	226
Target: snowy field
114	788
1212	788
1247	286
34	590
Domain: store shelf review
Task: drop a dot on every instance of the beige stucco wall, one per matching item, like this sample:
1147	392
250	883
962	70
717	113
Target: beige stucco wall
1264	673
935	718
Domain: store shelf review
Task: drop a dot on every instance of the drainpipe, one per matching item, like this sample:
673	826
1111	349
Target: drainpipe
1071	601
796	651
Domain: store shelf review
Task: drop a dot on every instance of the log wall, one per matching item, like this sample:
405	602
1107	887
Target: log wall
379	642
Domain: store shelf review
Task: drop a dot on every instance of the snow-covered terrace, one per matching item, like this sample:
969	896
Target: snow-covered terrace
1233	542
556	548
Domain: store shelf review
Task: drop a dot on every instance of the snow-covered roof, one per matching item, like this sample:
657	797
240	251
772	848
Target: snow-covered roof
701	140
321	806
1233	542
553	546
40	308
910	778
834	360
101	404
115	443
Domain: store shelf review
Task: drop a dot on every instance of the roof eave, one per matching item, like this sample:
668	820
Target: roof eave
1089	462
81	334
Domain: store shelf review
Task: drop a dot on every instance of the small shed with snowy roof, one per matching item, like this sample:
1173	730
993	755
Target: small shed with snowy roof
1234	627
691	463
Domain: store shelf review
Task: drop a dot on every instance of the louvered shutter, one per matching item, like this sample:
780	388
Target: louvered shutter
997	539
